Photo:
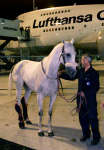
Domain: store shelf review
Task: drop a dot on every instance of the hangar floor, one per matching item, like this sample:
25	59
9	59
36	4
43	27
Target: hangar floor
65	125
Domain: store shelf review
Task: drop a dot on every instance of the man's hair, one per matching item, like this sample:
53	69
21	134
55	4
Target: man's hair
89	58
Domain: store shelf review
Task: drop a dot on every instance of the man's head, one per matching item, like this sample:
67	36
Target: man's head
86	60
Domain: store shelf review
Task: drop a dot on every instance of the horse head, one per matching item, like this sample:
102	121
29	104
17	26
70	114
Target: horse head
69	55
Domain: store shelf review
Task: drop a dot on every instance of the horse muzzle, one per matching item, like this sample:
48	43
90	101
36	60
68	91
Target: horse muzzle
71	69
71	72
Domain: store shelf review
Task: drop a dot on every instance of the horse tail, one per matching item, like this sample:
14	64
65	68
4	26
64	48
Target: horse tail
15	71
10	81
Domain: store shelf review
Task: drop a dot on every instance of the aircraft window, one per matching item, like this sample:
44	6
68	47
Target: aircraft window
69	27
52	13
72	27
65	28
58	29
103	24
85	25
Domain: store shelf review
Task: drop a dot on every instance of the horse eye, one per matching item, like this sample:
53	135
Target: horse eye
68	55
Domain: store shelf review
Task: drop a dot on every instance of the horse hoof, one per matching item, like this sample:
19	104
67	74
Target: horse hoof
50	134
21	125
28	122
41	133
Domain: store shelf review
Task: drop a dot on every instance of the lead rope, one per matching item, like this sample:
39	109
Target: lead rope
62	94
77	109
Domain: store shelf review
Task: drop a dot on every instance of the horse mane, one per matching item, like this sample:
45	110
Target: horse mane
54	49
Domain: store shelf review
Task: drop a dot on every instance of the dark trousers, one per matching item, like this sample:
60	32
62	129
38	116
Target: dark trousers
89	119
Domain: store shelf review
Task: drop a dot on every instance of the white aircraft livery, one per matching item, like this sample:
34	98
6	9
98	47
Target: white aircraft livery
83	23
47	27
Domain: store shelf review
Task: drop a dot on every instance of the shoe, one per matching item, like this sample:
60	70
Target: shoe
84	138
95	141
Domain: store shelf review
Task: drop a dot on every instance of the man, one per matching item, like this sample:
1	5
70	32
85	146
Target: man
88	85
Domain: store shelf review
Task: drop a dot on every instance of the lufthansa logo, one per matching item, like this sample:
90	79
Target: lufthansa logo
53	21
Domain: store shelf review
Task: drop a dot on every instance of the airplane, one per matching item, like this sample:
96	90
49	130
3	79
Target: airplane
83	23
41	29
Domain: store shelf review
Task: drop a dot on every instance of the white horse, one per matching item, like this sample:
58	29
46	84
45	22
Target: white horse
42	78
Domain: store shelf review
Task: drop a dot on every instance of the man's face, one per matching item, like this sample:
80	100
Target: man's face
84	61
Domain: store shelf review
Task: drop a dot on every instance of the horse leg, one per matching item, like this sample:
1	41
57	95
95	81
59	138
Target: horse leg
18	108
20	117
24	102
40	104
52	100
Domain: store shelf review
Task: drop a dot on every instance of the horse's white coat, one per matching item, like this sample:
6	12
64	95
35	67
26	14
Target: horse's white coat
44	84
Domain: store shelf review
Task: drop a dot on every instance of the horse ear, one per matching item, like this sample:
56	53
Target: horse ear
72	41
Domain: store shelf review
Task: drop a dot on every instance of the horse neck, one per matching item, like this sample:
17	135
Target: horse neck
52	63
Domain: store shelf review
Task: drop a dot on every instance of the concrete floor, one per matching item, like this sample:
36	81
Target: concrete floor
65	125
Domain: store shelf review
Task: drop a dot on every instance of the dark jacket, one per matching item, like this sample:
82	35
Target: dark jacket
88	82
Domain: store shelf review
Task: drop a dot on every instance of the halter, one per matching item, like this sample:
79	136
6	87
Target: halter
63	53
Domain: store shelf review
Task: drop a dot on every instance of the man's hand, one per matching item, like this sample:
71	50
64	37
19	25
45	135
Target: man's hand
82	94
60	72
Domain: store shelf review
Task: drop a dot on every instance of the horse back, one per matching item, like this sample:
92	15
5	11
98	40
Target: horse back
21	67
